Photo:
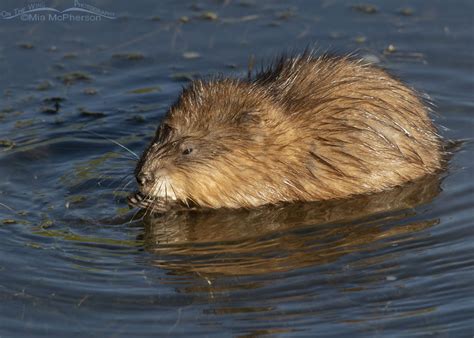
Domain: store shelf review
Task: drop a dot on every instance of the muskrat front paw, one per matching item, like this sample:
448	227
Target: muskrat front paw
138	200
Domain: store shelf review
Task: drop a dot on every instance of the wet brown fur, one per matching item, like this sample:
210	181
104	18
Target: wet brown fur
307	128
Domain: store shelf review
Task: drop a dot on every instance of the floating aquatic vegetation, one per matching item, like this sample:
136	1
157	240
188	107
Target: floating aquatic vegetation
23	123
285	15
44	85
134	56
55	102
184	19
360	39
90	91
25	45
406	11
208	15
88	113
145	90
6	144
390	49
70	56
365	8
191	55
73	77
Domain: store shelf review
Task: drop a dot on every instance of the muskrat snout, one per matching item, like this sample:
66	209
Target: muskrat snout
145	178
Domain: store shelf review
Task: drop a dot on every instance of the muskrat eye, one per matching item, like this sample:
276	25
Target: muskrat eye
187	148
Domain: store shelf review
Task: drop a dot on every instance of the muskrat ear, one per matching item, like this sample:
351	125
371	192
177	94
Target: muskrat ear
163	132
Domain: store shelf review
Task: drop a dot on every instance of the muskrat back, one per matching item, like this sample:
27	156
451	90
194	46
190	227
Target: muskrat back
307	128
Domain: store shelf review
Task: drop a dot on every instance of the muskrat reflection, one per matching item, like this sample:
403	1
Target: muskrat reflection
280	238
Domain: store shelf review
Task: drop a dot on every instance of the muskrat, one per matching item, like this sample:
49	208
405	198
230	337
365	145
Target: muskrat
304	129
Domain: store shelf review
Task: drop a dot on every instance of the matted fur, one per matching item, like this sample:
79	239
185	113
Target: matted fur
307	128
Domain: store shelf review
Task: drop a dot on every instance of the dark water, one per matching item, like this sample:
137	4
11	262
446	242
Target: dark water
74	263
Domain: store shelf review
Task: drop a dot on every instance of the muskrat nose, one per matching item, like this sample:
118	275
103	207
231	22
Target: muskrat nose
144	177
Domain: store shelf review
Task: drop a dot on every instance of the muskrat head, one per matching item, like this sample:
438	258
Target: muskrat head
211	147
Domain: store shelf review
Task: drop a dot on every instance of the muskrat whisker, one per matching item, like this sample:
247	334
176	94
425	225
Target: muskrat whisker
119	190
186	202
133	217
115	142
7	207
112	181
123	156
126	185
147	208
150	207
123	179
191	199
153	206
157	192
109	175
174	191
146	201
100	180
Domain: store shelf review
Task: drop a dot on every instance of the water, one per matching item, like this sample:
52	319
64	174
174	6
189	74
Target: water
74	263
